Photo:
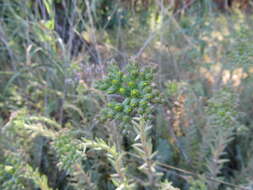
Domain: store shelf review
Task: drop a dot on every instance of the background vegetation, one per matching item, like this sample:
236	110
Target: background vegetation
117	94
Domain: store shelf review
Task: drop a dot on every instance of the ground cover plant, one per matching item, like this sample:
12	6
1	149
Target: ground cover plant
126	95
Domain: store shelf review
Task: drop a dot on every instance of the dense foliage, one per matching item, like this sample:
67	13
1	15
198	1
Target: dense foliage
109	94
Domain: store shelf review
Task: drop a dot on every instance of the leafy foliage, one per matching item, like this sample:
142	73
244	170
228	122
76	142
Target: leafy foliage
77	112
132	94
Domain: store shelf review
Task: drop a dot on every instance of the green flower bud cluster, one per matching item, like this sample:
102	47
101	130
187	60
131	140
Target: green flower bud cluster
134	88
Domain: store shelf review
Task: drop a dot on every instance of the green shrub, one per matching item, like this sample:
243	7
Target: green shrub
130	94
